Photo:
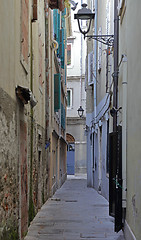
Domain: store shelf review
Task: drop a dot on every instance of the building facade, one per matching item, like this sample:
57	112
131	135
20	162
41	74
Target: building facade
99	89
112	112
32	126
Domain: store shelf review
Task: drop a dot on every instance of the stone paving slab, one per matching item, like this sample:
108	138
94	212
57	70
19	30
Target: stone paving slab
75	212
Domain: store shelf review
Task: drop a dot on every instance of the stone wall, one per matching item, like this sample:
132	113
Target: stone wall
9	190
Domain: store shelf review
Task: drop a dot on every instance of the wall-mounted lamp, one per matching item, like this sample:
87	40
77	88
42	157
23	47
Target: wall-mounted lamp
113	111
85	14
80	111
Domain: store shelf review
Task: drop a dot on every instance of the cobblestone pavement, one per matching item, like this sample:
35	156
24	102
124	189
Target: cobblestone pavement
75	212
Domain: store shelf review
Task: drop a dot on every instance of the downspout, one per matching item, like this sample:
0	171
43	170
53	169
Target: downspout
47	140
116	48
31	205
124	133
81	65
95	58
94	92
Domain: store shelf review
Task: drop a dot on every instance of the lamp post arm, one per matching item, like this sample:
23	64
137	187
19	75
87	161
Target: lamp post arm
105	39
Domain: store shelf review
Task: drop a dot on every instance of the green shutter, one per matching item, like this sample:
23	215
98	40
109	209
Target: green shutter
62	48
57	92
65	74
56	25
63	117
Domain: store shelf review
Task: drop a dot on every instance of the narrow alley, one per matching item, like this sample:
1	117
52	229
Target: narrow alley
74	212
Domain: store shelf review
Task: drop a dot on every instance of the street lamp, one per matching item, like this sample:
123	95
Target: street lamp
80	111
85	14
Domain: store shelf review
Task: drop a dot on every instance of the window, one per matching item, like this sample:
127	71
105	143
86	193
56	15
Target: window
108	17
57	92
34	10
69	98
69	54
90	68
107	159
24	33
99	51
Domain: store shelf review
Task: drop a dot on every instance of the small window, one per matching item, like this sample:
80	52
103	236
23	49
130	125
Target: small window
107	159
69	62
69	98
99	51
34	10
24	33
90	68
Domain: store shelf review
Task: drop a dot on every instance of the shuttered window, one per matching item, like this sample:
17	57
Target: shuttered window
57	92
90	68
62	48
99	51
63	116
56	25
24	33
34	10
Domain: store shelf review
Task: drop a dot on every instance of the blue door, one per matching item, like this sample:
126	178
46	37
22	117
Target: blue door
70	159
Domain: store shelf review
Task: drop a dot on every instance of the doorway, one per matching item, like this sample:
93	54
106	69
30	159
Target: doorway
70	154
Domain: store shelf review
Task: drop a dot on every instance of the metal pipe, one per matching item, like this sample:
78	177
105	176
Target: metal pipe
81	66
116	48
95	58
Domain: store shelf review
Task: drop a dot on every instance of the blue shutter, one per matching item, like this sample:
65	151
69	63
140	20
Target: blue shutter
57	92
56	25
55	22
64	12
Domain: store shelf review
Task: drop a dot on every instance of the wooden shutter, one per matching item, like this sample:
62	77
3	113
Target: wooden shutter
99	51
62	48
34	9
63	116
90	68
57	92
24	33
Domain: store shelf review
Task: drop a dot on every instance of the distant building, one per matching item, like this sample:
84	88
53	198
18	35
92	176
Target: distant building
76	97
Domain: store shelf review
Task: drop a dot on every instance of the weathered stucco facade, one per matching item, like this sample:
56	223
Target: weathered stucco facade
130	97
27	117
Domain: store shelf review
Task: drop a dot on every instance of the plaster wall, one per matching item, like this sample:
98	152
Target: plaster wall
133	118
22	136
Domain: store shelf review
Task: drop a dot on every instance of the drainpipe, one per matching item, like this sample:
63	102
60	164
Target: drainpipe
124	133
95	58
81	65
31	205
95	77
116	48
